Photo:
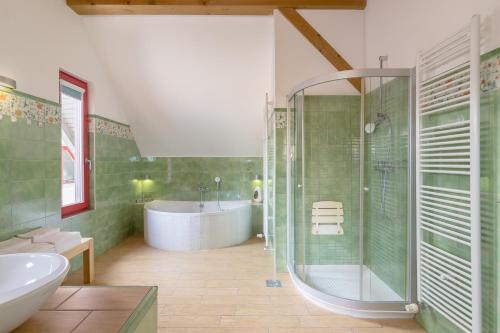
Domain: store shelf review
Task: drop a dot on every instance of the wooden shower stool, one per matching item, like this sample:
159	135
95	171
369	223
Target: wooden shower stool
87	248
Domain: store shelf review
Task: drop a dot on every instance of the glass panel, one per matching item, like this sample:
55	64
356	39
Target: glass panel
339	135
385	225
331	168
71	144
270	197
296	184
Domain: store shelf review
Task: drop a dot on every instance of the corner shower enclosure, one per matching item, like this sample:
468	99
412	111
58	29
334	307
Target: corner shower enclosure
353	146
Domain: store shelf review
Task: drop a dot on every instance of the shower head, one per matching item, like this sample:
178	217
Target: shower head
381	117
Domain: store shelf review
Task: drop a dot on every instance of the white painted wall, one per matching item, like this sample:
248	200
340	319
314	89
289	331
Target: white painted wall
39	37
195	85
297	60
401	28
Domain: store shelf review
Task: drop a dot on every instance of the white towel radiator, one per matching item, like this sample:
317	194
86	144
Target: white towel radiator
448	147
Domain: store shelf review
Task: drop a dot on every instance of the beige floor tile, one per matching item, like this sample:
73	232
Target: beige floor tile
179	299
271	309
262	290
189	283
189	321
235	283
221	291
204	291
260	321
386	330
310	330
227	330
171	330
336	321
289	291
236	299
316	310
198	309
287	299
395	326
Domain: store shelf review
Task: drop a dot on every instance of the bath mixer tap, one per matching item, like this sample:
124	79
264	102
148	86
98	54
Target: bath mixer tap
202	189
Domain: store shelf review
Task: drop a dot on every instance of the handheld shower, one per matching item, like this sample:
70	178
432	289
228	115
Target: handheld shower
217	181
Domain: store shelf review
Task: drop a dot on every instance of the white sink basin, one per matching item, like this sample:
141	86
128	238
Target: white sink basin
26	281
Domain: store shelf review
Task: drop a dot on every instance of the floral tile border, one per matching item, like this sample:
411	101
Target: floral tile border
16	105
106	126
490	71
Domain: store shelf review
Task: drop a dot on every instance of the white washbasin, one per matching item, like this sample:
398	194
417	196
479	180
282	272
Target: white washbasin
26	281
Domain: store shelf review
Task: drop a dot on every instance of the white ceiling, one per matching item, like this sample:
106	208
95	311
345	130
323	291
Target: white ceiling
192	85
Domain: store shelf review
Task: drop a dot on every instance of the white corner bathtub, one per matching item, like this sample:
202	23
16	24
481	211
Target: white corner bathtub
180	226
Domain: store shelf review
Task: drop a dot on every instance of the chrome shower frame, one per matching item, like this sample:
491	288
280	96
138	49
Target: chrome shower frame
359	308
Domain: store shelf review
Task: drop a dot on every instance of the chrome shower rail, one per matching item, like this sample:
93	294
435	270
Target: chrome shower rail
350	74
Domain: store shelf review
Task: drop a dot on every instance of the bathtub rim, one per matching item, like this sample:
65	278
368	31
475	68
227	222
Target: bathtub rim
147	207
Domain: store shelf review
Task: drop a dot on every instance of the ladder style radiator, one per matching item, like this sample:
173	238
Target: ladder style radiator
448	176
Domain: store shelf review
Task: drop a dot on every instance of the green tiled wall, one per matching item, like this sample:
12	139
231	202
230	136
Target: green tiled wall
30	169
331	169
29	172
331	153
178	178
490	195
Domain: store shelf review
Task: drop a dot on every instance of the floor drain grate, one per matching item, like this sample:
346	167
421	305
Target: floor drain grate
273	283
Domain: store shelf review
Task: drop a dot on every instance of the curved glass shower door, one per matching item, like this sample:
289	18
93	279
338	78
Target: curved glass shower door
349	179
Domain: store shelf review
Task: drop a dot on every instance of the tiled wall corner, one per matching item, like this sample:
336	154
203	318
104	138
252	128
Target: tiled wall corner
116	161
178	178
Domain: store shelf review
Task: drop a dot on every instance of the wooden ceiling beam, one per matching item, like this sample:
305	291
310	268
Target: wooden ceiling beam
203	7
321	44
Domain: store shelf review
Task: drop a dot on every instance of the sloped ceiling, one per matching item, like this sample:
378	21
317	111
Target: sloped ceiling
192	85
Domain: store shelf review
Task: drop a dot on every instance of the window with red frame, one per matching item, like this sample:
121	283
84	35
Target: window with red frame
73	96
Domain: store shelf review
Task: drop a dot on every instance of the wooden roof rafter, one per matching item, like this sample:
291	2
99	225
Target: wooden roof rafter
203	7
320	43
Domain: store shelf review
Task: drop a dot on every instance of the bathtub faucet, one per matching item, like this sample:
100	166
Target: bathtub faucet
202	189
